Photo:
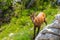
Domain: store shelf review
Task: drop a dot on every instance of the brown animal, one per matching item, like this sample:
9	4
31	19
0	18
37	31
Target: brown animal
38	21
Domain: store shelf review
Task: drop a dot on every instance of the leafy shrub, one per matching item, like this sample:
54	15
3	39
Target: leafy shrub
50	11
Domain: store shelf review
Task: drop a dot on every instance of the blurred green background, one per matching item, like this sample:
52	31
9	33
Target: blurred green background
15	22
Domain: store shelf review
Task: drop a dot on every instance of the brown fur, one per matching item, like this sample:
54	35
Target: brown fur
38	20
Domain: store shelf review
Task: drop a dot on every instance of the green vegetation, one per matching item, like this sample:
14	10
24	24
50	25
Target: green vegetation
20	26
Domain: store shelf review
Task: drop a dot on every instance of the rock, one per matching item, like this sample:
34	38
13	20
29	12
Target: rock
15	1
51	31
5	38
58	2
11	34
30	4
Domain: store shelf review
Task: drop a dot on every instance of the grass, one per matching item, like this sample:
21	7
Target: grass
21	28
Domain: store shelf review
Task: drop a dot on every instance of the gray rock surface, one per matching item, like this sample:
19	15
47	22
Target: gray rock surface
51	31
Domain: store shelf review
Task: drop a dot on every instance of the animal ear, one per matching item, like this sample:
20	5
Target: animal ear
32	14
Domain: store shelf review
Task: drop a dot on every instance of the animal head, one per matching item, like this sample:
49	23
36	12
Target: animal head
32	16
